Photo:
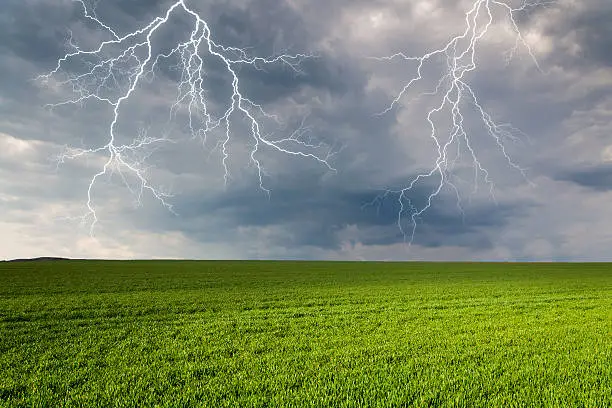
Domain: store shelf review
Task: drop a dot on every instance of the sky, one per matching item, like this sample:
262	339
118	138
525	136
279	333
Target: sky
542	193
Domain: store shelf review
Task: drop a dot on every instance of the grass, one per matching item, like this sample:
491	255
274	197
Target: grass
305	334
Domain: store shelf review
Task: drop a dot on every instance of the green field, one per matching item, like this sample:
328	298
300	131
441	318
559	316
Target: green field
305	334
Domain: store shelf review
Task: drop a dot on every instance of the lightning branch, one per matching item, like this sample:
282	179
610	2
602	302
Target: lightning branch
118	66
456	97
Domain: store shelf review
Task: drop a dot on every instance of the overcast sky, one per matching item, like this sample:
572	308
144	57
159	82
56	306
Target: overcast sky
559	210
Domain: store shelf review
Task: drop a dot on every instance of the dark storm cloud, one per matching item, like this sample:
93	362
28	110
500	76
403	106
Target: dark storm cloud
35	37
595	177
263	29
587	35
593	30
30	44
316	214
34	50
270	27
278	81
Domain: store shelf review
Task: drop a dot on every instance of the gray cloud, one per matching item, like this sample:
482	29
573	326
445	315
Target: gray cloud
590	31
597	178
319	213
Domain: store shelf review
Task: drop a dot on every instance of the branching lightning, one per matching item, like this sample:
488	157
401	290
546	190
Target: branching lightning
455	96
134	61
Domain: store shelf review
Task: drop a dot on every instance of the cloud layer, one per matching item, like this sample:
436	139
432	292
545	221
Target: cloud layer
559	212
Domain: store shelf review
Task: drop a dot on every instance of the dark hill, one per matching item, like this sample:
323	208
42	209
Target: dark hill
42	258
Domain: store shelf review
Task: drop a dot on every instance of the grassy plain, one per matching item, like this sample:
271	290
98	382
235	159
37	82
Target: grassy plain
305	334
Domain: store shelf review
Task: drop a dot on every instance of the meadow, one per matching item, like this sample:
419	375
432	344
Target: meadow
304	334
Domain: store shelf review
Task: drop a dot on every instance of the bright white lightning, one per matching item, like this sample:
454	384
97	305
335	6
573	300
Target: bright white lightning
455	94
135	63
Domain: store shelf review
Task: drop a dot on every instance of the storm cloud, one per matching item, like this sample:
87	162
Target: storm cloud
557	209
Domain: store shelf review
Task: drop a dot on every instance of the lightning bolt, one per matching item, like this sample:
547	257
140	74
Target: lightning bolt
125	62
455	97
